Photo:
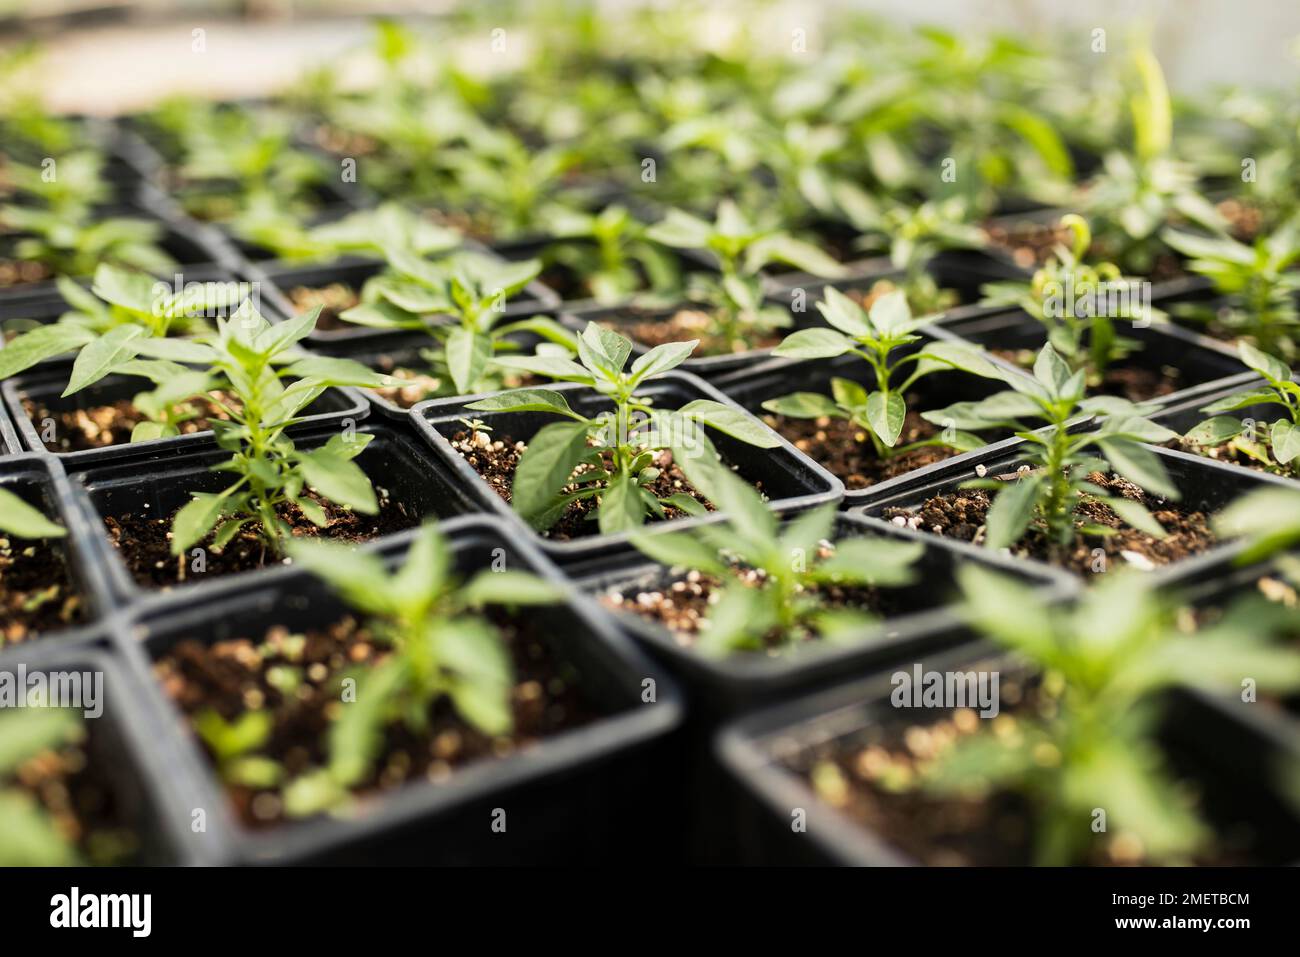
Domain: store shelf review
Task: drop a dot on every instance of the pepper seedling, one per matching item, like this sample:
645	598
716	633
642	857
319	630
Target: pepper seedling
1276	444
771	577
442	645
1257	281
880	337
1106	666
1060	460
22	520
612	253
611	457
742	248
75	242
471	288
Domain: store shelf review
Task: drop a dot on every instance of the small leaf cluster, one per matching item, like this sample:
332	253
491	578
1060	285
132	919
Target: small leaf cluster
29	835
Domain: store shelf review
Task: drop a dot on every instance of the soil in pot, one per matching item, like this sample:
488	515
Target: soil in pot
36	591
333	298
144	540
681	603
1244	218
845	449
962	515
20	272
871	778
295	679
67	784
689	322
1229	453
1122	378
101	426
495	459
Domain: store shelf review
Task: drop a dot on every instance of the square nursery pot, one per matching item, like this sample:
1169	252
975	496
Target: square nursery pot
1205	486
71	562
122	748
44	389
189	248
1187	415
625	318
926	620
279	279
769	755
396	350
1200	365
396	462
791	480
777	377
584	794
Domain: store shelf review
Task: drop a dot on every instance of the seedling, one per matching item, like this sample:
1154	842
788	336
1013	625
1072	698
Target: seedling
1049	494
367	232
915	235
1076	303
242	368
612	457
1275	445
70	186
772	579
613	254
443	645
22	520
119	304
29	835
880	337
742	248
75	243
473	290
1090	742
1257	281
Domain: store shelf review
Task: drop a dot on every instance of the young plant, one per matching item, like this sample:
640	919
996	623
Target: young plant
367	232
742	248
29	835
1041	411
881	338
611	457
612	253
1275	445
772	577
1106	666
118	301
1077	303
76	243
254	374
70	185
19	519
471	288
1258	282
915	235
442	644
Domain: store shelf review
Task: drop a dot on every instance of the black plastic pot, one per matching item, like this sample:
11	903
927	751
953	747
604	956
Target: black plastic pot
334	407
1205	364
41	482
1232	764
723	687
778	377
791	480
280	278
123	746
1204	485
9	444
585	795
394	460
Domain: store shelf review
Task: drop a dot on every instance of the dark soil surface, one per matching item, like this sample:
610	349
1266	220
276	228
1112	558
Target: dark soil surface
961	515
333	299
684	324
80	803
681	604
144	541
236	676
846	450
101	426
1135	383
495	459
871	777
1244	218
36	592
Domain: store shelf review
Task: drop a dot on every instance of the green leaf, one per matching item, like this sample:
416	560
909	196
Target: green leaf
468	355
1052	371
129	289
26	732
331	371
735	422
1285	438
661	359
1215	431
961	356
1263	363
1011	511
41	343
872	561
20	519
195	520
844	314
525	400
603	350
547	465
804	405
29	837
891	315
98	358
1139	464
885	414
509	587
339	479
621	506
813	344
1137	515
680	549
